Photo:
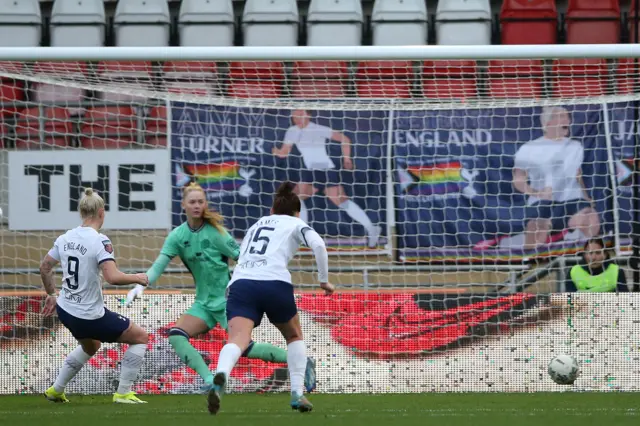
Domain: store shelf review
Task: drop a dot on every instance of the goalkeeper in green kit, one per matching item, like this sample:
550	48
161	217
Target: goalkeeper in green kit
204	246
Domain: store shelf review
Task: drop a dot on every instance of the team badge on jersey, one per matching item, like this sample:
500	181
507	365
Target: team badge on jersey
107	246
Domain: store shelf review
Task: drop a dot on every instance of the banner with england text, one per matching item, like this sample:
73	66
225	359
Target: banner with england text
505	184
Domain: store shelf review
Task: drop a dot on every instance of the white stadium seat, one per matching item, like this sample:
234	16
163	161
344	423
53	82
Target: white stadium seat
399	22
270	23
334	23
142	23
206	23
78	23
20	23
463	22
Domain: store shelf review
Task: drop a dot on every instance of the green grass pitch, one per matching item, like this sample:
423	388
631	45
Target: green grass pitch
540	409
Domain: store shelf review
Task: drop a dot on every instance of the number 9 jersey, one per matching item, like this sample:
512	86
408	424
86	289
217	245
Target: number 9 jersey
270	244
80	252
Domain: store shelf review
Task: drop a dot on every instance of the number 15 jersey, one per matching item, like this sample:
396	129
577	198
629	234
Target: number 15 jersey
268	246
80	251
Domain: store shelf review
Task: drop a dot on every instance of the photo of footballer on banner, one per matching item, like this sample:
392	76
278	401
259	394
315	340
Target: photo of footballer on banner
504	183
240	155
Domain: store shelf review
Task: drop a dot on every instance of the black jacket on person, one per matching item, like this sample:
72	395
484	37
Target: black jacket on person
622	278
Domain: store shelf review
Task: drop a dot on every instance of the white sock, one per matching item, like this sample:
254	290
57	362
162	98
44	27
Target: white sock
131	363
72	365
229	356
356	213
297	362
304	213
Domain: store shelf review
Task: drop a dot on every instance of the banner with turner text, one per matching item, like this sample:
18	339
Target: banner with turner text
241	155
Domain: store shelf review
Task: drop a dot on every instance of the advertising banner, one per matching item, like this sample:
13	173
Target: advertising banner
241	155
504	184
364	342
45	187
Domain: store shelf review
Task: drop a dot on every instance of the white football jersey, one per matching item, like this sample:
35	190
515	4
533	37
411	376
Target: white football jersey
312	144
553	164
80	251
268	247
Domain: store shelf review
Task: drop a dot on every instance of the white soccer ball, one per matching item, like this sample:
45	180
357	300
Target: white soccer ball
564	369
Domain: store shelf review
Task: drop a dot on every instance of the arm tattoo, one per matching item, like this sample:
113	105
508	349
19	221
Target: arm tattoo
46	273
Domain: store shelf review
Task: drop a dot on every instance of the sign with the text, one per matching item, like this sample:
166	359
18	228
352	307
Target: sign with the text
45	188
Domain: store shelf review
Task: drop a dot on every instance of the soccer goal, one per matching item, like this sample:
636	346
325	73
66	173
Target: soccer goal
455	187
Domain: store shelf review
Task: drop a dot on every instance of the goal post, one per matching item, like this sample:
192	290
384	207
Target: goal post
439	176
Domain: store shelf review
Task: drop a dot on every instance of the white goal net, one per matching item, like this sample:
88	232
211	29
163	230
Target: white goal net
455	187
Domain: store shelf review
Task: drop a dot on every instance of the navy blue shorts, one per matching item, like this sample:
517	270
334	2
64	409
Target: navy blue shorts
252	299
559	212
106	329
321	178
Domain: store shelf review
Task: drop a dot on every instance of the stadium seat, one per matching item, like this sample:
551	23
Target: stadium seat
630	20
515	79
255	79
529	22
399	22
109	127
625	76
156	126
119	75
319	79
78	23
54	128
334	23
385	79
270	23
206	23
579	77
200	78
20	23
593	21
142	23
63	95
449	80
463	22
11	90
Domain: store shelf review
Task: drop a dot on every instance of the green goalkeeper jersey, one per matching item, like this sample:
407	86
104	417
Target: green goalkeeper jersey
205	252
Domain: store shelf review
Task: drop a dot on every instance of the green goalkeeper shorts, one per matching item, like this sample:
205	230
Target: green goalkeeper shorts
211	318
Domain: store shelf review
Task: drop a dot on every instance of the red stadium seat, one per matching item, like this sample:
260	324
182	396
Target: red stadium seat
449	79
191	77
593	21
4	133
385	79
109	127
315	88
630	22
53	129
579	77
11	90
319	79
156	126
625	76
529	22
121	75
515	79
255	79
60	94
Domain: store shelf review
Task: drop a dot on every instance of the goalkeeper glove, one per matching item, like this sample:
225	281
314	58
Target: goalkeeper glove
133	294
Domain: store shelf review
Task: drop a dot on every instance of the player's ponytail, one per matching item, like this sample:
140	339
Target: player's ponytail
90	204
286	202
212	217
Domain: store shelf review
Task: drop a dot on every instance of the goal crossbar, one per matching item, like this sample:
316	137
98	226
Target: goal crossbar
293	53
